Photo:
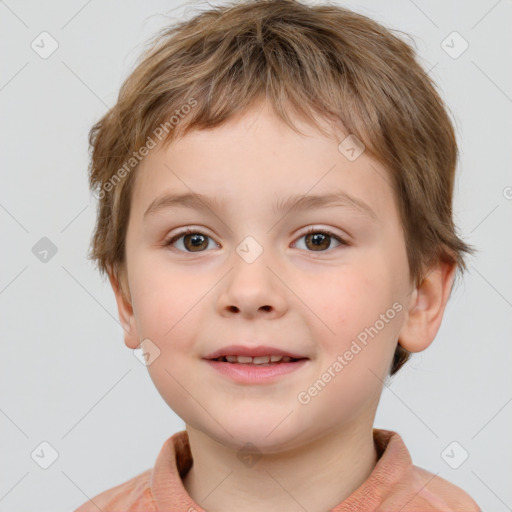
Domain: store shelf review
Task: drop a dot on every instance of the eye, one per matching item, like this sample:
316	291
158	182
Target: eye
196	241
320	239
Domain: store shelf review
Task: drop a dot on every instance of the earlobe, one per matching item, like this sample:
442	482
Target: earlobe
124	308
426	307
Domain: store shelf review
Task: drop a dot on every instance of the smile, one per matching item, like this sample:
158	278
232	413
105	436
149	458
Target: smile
260	360
257	370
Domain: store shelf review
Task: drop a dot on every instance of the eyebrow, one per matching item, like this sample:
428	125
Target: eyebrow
293	203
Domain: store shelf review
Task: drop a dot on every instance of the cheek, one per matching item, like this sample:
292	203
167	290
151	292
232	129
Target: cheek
170	318
160	290
166	309
351	297
357	307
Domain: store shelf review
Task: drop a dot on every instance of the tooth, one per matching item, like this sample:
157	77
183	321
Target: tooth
261	359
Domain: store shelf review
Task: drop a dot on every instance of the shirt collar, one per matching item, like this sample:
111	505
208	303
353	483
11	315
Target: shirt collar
175	460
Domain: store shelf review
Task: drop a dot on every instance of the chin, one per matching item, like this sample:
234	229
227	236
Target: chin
266	435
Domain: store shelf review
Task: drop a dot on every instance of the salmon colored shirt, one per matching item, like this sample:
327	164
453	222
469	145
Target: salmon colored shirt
395	484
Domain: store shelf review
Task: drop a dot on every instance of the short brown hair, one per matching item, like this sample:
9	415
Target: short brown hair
313	60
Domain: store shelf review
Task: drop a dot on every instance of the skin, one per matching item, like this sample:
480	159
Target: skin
312	302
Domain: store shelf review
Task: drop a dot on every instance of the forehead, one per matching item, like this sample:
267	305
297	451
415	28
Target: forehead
255	160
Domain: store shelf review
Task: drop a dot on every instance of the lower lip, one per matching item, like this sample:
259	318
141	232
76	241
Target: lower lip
253	374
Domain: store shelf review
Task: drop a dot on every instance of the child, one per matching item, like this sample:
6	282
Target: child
275	217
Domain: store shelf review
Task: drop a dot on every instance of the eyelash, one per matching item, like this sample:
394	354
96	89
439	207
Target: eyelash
310	231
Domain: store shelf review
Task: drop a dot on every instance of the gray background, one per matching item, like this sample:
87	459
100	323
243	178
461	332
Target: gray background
67	377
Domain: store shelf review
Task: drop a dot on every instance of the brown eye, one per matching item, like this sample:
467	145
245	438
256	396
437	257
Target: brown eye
317	240
193	241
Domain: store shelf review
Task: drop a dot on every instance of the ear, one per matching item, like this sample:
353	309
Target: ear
426	307
119	284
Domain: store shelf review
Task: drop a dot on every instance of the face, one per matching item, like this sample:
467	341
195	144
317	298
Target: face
250	273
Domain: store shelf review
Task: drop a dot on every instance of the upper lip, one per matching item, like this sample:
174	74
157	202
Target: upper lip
260	350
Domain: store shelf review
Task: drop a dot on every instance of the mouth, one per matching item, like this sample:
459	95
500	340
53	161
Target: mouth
247	354
269	360
255	365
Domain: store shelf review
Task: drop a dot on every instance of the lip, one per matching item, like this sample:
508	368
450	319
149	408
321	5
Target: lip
254	374
260	350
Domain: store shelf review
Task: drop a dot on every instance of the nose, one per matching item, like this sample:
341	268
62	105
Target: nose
252	289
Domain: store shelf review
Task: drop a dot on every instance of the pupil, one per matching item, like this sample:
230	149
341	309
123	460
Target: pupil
196	239
319	240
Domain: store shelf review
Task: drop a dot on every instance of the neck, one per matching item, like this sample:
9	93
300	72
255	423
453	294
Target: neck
314	477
